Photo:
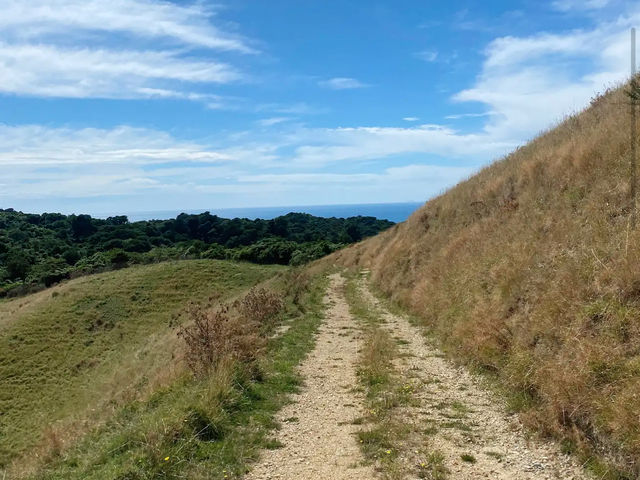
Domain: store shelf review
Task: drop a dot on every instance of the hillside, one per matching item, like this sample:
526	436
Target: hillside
74	356
530	271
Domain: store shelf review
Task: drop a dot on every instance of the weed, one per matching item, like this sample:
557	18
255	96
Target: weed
497	455
433	468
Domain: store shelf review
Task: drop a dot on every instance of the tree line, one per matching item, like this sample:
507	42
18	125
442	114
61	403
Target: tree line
41	249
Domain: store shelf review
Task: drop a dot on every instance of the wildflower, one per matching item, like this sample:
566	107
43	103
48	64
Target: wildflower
166	459
388	452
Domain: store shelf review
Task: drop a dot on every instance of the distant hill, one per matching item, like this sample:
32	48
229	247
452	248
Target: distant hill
530	270
42	249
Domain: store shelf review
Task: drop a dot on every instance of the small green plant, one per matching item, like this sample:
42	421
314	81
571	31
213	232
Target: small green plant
633	90
433	468
497	455
467	457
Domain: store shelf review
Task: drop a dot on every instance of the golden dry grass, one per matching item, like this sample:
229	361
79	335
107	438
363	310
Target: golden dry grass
530	270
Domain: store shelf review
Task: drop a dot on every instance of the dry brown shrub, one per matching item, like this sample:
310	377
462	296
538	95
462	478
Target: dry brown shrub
238	331
259	305
214	335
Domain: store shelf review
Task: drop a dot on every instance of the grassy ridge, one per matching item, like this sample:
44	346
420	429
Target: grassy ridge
203	428
71	355
530	271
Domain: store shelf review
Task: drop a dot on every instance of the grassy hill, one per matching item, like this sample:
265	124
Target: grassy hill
530	271
74	356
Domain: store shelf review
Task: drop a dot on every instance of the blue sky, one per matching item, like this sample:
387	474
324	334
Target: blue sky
138	105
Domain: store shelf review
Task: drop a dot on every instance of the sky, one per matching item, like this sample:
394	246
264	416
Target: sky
143	105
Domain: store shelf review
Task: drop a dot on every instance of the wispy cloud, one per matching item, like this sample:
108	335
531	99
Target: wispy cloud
153	19
469	115
567	5
427	55
49	71
529	82
41	146
411	119
342	83
40	53
269	122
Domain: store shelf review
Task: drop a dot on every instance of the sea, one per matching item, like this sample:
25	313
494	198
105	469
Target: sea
395	212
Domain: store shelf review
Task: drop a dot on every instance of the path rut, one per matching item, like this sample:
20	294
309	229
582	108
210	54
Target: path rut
460	418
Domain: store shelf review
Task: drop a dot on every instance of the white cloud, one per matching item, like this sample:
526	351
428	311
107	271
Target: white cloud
300	108
469	115
39	146
83	49
342	83
327	146
434	173
153	19
269	122
566	5
427	55
50	71
529	82
411	119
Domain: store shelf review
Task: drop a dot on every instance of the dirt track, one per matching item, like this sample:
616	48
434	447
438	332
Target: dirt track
317	430
452	413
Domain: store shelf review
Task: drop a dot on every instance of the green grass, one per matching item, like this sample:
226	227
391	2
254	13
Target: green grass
467	457
384	437
389	438
197	429
433	467
69	356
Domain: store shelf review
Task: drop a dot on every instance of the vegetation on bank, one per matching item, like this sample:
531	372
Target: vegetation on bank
175	408
530	271
40	250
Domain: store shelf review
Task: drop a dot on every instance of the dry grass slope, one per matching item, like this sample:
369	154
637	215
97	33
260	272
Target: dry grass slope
529	269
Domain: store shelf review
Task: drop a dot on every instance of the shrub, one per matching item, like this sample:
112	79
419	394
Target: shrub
214	335
259	305
237	332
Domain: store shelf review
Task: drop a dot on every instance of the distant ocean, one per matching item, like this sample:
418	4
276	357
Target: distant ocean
395	212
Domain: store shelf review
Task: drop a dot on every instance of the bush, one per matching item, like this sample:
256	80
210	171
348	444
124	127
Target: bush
237	331
214	336
259	305
215	252
49	271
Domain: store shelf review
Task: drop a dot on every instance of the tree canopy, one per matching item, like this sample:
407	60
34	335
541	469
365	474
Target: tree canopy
41	249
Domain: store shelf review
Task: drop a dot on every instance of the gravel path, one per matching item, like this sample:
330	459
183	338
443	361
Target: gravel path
317	431
456	416
451	413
